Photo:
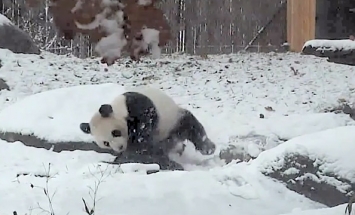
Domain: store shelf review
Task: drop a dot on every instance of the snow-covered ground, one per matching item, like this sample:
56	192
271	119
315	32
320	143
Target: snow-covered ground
227	94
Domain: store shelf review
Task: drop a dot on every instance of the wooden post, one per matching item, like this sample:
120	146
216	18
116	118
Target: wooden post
301	23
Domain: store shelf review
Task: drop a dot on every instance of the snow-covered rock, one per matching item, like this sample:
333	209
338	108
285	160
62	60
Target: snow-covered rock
337	51
15	39
319	165
3	85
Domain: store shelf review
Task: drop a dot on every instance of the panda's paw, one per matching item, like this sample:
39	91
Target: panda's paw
208	148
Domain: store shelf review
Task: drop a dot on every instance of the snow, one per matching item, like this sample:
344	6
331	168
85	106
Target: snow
145	2
324	211
78	6
332	45
151	37
332	149
4	20
50	95
110	47
59	110
224	189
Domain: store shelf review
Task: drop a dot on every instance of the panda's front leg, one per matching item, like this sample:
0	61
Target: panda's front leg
191	129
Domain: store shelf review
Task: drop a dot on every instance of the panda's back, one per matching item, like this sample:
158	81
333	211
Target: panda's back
167	110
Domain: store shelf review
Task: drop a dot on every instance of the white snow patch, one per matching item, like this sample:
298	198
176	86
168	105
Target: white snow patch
287	127
145	2
333	45
223	190
332	149
111	3
110	47
78	6
55	115
291	171
4	20
324	211
269	133
151	38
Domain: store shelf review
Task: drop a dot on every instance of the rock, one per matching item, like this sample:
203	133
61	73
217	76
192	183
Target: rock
336	51
303	177
349	110
15	39
3	85
130	156
317	165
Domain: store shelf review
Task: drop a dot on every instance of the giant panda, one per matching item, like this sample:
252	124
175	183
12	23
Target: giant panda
145	118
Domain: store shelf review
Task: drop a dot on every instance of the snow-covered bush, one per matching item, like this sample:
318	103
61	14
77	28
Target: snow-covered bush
114	26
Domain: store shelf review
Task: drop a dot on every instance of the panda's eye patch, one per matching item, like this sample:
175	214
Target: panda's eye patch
116	133
106	143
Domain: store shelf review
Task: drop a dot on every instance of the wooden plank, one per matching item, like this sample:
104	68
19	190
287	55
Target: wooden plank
300	23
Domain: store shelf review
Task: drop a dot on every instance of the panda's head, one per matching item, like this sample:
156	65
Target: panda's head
109	129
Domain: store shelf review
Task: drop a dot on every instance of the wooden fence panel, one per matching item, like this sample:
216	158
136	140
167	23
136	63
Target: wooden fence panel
226	26
198	26
301	23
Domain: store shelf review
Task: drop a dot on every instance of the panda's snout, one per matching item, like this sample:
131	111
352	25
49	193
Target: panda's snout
120	148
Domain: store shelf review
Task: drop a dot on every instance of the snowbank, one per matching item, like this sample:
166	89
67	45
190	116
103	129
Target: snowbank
55	115
218	191
268	133
324	211
318	165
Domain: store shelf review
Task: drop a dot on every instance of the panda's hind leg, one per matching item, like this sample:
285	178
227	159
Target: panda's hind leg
164	147
189	128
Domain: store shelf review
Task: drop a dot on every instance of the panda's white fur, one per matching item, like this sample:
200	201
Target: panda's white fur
168	112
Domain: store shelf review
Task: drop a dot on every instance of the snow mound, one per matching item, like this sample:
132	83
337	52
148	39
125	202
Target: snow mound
269	133
55	115
324	211
318	165
73	174
294	125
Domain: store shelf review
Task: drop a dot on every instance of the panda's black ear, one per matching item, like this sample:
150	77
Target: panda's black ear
105	110
85	127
